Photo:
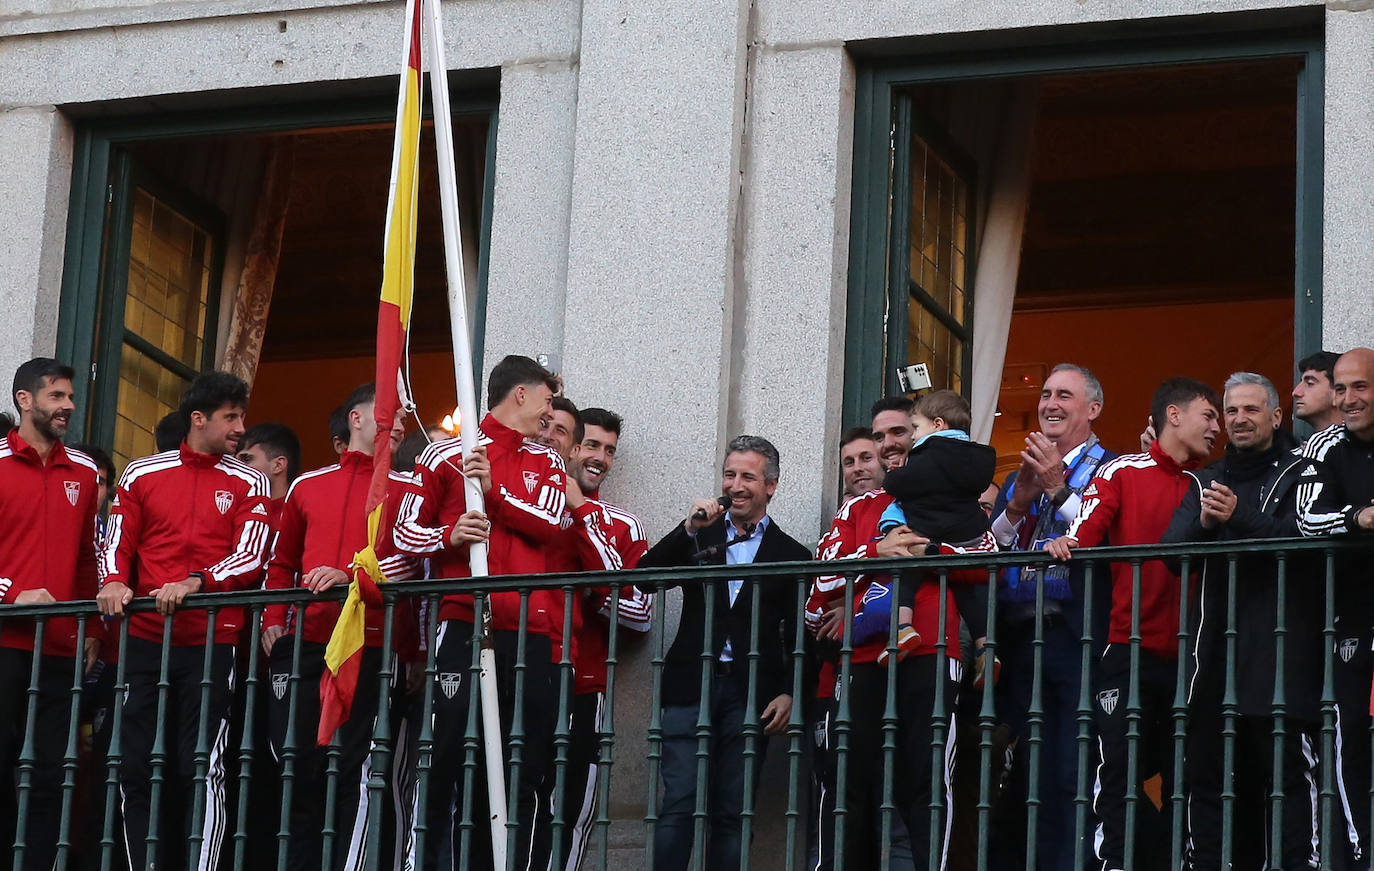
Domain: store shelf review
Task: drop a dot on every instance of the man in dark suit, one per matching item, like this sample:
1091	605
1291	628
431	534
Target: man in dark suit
734	530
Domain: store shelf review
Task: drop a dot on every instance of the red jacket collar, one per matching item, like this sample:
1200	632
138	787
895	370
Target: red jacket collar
356	461
501	434
21	448
195	458
1167	462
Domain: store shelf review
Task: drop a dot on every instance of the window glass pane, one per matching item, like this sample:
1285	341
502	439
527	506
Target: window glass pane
147	393
169	279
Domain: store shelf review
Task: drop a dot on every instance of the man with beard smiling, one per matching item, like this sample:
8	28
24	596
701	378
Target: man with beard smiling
1037	502
1252	493
737	535
893	430
183	521
1131	500
1342	502
589	442
48	505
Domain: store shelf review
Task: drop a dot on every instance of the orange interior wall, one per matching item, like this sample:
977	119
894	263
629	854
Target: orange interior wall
302	393
1132	349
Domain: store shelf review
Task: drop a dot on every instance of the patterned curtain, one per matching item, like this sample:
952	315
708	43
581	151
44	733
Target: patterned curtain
262	250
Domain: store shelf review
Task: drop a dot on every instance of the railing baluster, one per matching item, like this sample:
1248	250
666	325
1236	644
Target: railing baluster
751	729
201	754
655	730
248	747
473	757
987	721
940	738
1280	706
887	807
379	753
1035	722
1133	717
561	730
1178	802
517	734
29	750
288	748
843	726
1228	722
1081	800
703	730
1328	781
606	734
70	758
114	756
424	742
795	730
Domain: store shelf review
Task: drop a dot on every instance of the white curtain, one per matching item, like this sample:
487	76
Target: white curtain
994	122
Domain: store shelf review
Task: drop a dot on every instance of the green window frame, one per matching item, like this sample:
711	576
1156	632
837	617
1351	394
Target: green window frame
878	289
101	169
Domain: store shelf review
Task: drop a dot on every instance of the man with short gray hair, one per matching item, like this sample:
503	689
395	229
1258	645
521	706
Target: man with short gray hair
734	529
1252	492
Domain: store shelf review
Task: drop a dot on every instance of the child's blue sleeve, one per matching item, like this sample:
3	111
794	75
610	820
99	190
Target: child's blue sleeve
892	518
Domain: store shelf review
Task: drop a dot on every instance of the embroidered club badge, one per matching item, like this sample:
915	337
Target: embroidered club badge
1107	699
1348	648
531	480
279	685
449	681
73	489
223	499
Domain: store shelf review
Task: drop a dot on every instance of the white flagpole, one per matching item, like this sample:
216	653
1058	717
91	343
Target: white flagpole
467	406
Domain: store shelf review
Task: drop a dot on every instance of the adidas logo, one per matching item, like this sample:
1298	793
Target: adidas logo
259	509
1310	471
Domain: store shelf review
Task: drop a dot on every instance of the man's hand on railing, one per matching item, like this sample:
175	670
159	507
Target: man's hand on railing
471	528
90	654
901	541
170	596
270	636
112	598
1218	504
321	578
1060	548
1365	517
776	715
40	596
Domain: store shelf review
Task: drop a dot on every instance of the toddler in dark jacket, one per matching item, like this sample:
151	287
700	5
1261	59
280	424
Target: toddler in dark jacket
936	495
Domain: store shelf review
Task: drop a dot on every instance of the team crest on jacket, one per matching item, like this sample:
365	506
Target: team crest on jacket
279	685
1347	648
449	681
73	489
223	499
1107	699
531	480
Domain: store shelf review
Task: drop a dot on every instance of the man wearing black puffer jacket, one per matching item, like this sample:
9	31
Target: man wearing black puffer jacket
1252	492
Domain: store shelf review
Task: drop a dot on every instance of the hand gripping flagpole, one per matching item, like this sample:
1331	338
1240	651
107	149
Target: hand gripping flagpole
467	405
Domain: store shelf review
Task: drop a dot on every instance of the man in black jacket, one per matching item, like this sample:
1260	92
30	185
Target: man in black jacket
734	530
1252	492
1341	503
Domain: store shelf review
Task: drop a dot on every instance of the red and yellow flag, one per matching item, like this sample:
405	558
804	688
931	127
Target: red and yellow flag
344	654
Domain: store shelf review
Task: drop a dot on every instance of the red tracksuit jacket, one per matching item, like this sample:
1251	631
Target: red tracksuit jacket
180	512
525	507
624	533
47	538
854	535
324	523
1130	501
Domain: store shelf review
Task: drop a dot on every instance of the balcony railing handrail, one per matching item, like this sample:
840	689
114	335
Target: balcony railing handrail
651	577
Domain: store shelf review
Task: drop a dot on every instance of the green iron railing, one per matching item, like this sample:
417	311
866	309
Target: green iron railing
107	855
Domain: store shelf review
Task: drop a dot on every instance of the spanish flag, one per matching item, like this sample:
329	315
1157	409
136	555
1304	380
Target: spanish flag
344	653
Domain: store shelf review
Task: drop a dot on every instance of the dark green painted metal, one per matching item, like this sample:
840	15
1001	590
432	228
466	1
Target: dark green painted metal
1328	779
700	816
201	754
606	738
158	757
939	736
248	749
1133	714
70	758
288	749
381	750
473	755
898	244
843	721
1229	712
1087	657
1179	713
517	737
28	752
1275	844
751	734
424	742
987	722
887	808
655	759
795	729
115	757
561	731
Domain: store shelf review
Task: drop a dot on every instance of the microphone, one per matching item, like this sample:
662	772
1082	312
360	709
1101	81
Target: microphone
716	549
700	513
